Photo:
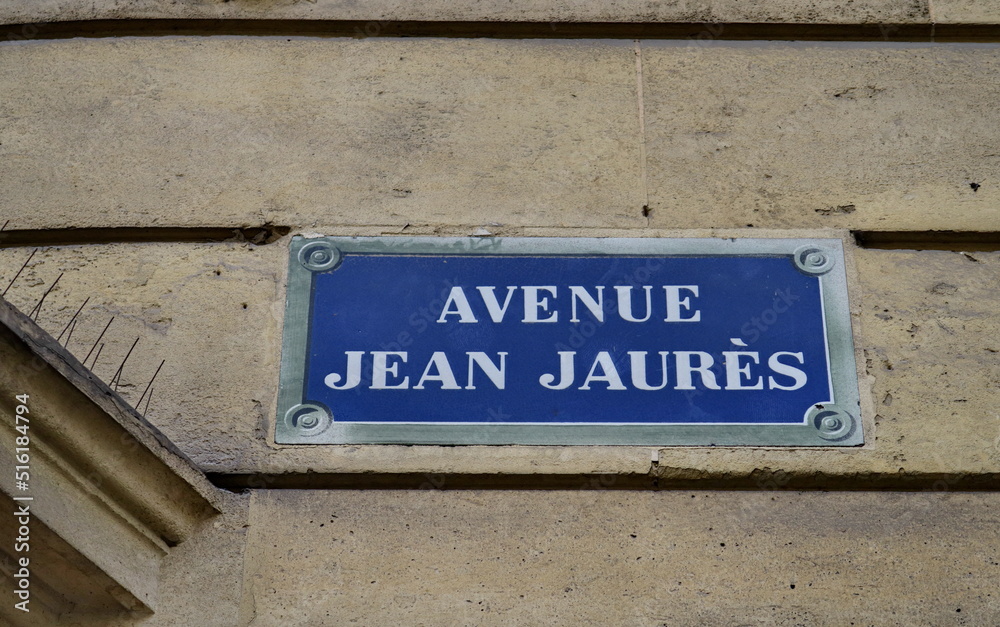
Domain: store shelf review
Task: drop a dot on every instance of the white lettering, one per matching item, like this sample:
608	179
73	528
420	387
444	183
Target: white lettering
625	303
496	374
566	374
799	377
533	305
353	372
492	305
639	370
462	309
438	361
685	370
735	372
609	376
675	303
380	369
595	306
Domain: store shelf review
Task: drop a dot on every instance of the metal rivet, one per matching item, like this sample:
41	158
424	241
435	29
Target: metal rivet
319	256
832	423
813	260
308	419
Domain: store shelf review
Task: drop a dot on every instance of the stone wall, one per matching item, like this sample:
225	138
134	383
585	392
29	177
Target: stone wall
129	158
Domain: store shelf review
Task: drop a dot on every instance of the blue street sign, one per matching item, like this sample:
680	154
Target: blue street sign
568	341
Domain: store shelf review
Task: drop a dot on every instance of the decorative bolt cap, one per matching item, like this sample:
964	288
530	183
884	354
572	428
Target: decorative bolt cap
308	419
319	256
834	424
813	260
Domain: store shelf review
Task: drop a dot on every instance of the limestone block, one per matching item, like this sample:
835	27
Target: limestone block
965	12
500	135
623	558
839	135
319	133
200	579
207	310
795	11
931	317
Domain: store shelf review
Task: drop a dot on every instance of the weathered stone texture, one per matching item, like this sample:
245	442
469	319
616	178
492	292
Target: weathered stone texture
931	317
965	11
319	133
780	11
200	580
864	137
423	136
623	558
210	311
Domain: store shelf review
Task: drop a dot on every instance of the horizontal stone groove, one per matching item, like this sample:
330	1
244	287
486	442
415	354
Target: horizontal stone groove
696	32
260	235
758	480
929	240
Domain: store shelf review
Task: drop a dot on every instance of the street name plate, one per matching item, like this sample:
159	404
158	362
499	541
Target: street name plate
568	341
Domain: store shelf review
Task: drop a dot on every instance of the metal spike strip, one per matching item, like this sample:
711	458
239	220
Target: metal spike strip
95	343
94	365
23	266
72	322
72	328
38	308
116	379
149	398
150	384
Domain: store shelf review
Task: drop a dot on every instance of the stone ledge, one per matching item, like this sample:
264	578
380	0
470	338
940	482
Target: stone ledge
657	478
110	495
685	559
379	11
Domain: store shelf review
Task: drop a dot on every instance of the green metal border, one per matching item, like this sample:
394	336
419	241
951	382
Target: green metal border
837	424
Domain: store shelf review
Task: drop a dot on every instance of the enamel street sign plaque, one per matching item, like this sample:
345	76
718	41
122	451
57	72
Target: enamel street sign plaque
568	341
